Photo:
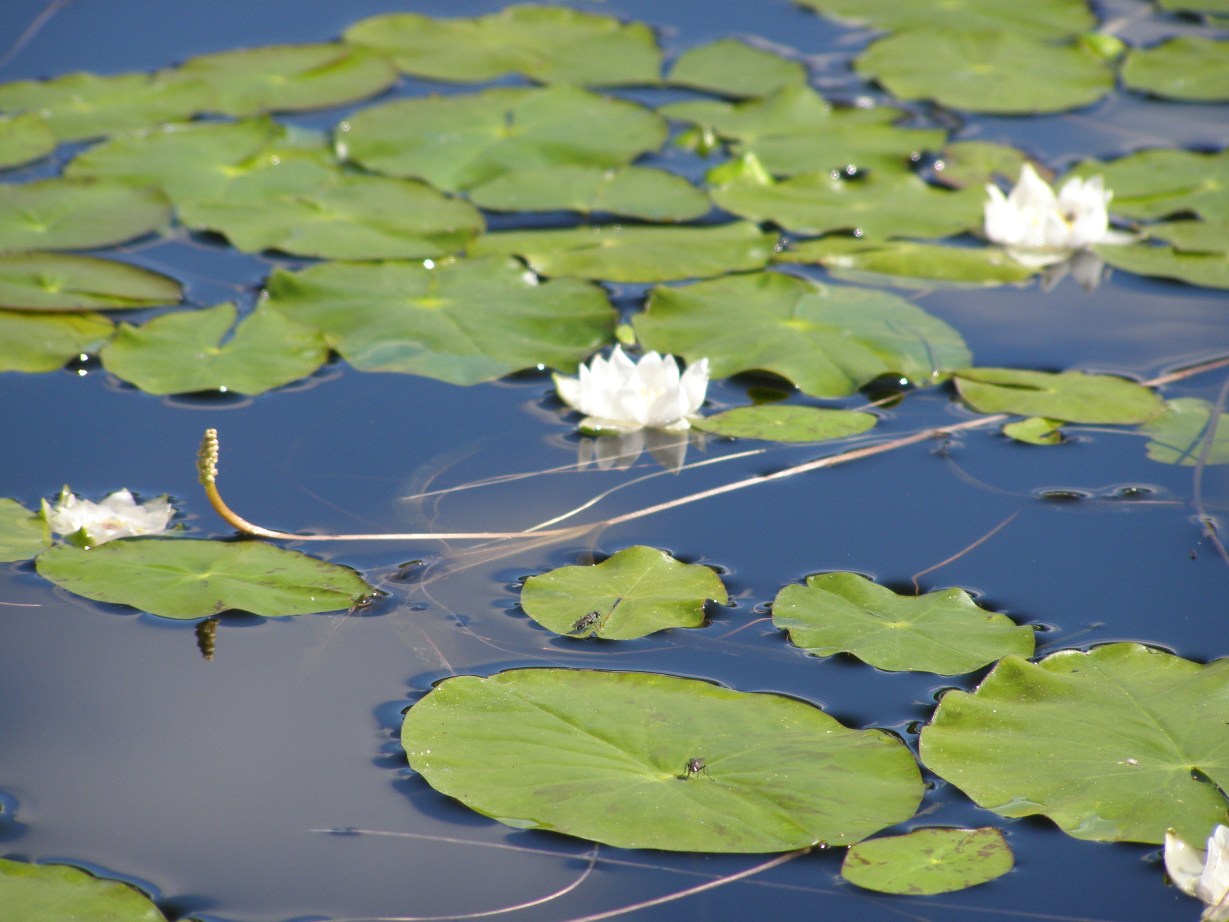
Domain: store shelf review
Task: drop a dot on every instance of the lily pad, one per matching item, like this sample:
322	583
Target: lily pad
455	142
620	253
57	892
290	78
1182	433
543	43
633	593
1036	430
1192	236
908	263
928	861
461	321
632	191
45	342
1210	270
1189	67
730	67
190	351
637	760
786	423
1165	181
63	282
1195	6
976	163
944	631
1071	396
188	578
828	341
1020	743
24	138
1041	19
987	71
77	214
22	535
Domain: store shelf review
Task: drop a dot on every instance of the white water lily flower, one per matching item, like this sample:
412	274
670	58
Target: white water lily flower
621	395
1202	873
117	516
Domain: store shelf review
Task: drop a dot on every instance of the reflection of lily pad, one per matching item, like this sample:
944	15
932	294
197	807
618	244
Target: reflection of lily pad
1189	67
908	263
928	861
729	67
57	893
45	342
189	578
638	760
1021	743
22	535
1071	396
63	282
1181	435
632	191
786	423
1038	19
944	631
635	592
77	214
23	138
828	341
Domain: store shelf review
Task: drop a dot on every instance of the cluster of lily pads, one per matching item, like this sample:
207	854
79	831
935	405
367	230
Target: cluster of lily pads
392	207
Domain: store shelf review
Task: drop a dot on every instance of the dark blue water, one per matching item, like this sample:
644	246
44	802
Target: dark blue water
210	782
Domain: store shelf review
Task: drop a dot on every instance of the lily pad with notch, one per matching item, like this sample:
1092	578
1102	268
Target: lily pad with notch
58	892
927	861
1070	396
67	282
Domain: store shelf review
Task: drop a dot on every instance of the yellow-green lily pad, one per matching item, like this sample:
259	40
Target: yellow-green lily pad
1071	396
731	67
909	263
1040	19
1209	270
32	342
66	282
786	423
59	893
22	535
630	191
23	139
1191	67
77	214
1181	435
924	862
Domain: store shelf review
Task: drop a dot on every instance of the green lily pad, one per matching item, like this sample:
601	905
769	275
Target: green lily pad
928	861
1210	270
184	352
1195	6
455	142
730	67
908	263
1181	434
1041	19
45	342
633	593
976	163
23	139
632	191
58	893
1190	67
77	107
787	423
620	253
1071	396
63	282
1192	236
22	535
1020	744
1036	430
1164	181
944	631
188	578
637	760
828	341
461	321
543	43
77	214
988	71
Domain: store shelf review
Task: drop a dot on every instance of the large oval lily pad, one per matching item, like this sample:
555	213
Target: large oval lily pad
1182	433
64	282
1039	19
1021	743
632	191
59	893
77	214
828	341
944	631
638	760
1189	67
635	592
928	861
32	342
786	423
22	533
1071	396
188	578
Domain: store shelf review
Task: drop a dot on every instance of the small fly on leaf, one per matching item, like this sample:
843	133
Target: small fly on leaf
695	765
586	622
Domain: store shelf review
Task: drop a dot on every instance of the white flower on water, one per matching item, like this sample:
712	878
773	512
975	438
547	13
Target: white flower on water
621	395
1038	227
1202	873
117	516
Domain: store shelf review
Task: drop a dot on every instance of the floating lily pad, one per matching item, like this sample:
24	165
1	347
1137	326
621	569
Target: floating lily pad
80	106
184	352
461	321
288	78
1072	396
188	578
637	760
1211	270
944	631
976	163
1036	430
45	342
828	341
1042	19
729	67
635	592
546	44
63	282
1195	6
22	535
57	893
928	861
786	423
1190	67
619	253
988	71
455	142
632	191
24	138
1020	744
1165	181
1181	435
908	263
77	214
1192	236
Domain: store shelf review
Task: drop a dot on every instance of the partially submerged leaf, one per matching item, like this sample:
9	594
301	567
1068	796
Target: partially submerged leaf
32	342
928	861
22	535
786	423
1186	434
77	214
1035	430
1071	396
638	760
63	282
632	191
59	893
633	593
